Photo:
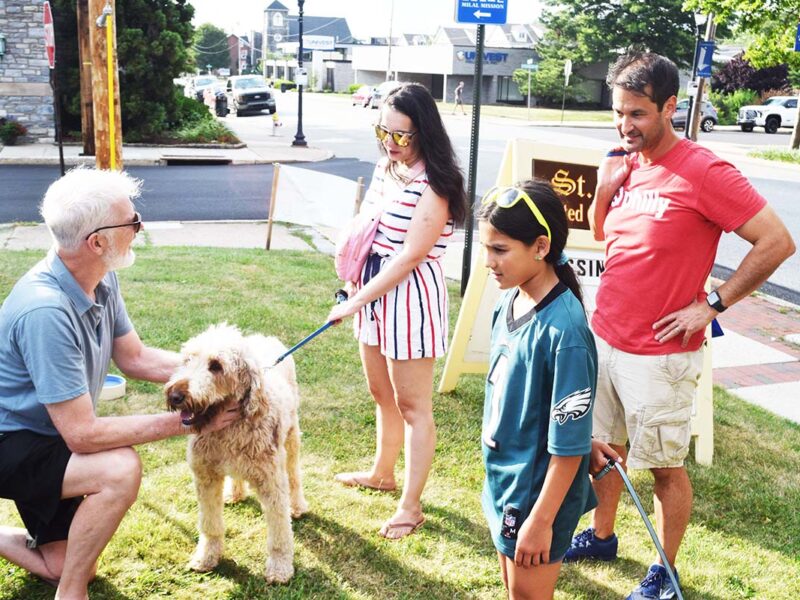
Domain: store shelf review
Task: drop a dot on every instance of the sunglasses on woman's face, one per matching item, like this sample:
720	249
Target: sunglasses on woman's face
506	197
401	138
136	224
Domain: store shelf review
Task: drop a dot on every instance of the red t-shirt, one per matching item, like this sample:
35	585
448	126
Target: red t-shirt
662	231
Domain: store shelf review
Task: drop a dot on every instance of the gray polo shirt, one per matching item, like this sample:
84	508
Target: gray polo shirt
55	343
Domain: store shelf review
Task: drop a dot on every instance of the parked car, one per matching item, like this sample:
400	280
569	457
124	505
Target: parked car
249	93
708	115
199	84
383	90
363	95
778	111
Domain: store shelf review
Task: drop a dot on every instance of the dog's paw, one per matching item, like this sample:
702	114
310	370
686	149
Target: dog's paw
235	490
206	556
279	570
299	508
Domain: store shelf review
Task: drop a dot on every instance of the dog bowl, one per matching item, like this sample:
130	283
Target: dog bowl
114	387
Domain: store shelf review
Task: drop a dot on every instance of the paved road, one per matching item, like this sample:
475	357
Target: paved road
242	192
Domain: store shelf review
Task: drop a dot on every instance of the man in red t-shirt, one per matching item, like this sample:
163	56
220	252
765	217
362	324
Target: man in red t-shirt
661	204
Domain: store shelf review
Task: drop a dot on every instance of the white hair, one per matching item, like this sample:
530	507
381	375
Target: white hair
81	201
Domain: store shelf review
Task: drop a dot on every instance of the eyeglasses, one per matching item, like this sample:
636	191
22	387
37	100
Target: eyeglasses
506	197
401	138
136	224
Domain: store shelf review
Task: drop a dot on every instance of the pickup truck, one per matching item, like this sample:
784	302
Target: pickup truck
249	93
778	111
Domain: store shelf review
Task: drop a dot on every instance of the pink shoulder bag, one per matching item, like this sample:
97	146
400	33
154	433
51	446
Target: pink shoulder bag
355	242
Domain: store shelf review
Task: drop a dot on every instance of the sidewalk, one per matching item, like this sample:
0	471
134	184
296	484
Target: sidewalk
758	358
278	149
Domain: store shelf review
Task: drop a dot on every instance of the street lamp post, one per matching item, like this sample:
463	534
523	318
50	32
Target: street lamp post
299	138
699	21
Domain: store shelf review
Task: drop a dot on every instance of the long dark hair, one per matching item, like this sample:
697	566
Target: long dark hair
441	165
519	223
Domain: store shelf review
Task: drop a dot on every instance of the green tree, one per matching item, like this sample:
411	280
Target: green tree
587	31
152	42
547	83
773	26
153	37
211	47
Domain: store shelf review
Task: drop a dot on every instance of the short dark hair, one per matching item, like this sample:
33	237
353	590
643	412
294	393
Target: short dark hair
634	71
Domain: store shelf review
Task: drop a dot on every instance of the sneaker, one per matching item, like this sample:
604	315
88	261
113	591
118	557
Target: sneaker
655	586
587	546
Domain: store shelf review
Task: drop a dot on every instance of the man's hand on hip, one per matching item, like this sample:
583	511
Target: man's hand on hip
686	321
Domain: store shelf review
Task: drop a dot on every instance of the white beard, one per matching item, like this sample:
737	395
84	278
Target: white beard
115	260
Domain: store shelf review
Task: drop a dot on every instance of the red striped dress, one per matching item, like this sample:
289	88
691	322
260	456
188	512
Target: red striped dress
410	321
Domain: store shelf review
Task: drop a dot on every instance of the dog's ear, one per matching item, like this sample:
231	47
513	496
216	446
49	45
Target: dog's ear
255	376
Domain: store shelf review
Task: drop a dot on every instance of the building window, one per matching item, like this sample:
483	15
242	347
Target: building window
508	91
277	20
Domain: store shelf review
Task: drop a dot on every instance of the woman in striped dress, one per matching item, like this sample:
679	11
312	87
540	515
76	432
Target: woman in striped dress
400	303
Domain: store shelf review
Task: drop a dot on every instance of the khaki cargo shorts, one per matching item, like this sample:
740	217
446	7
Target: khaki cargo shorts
647	400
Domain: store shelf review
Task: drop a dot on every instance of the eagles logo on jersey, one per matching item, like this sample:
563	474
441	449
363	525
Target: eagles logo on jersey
574	406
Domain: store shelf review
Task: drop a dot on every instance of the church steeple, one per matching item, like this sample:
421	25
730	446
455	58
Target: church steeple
276	26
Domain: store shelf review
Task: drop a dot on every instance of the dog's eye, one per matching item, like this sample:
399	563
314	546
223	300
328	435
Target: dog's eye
214	366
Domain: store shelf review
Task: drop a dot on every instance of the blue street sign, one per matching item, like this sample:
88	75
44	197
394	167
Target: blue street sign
797	40
482	12
705	53
530	67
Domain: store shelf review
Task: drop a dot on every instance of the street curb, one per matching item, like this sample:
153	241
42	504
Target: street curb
162	162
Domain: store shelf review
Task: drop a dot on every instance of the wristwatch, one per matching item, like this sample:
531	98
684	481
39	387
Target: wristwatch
715	302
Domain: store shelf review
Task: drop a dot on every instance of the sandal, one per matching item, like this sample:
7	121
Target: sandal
362	480
406	527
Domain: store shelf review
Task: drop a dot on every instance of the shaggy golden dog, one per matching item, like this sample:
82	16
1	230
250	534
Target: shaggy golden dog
262	448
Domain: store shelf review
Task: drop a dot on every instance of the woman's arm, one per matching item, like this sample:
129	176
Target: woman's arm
536	533
426	226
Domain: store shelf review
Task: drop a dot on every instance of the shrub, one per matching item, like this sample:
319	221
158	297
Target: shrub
284	84
738	74
205	132
728	105
353	88
189	112
10	131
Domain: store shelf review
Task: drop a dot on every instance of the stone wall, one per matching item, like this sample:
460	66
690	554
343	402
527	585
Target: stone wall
25	93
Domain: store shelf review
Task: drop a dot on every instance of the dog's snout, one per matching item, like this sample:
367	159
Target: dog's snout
176	397
176	392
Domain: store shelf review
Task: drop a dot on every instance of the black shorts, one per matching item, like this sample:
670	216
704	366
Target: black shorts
32	470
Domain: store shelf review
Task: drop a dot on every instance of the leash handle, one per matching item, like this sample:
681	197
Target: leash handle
604	471
340	297
650	529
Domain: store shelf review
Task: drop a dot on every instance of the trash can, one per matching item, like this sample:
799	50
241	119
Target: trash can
221	105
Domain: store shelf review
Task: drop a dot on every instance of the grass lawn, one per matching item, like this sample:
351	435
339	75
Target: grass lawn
535	114
743	541
778	154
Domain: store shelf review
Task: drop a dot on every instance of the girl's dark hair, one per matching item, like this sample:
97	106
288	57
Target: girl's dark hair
519	223
441	165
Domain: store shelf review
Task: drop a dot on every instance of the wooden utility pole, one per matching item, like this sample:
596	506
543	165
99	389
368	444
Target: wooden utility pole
100	86
85	58
693	119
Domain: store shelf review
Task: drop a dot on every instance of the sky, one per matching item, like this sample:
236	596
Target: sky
366	18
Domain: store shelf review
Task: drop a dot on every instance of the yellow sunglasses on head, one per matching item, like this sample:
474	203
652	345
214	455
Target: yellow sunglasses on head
506	197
